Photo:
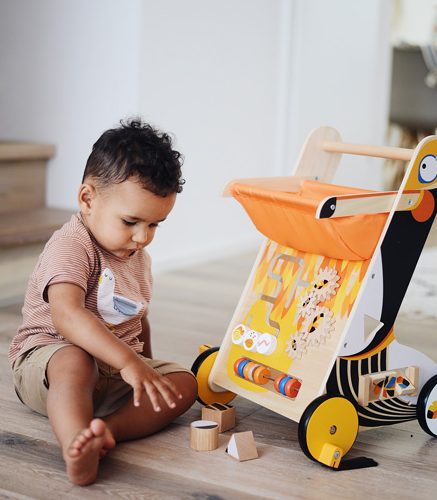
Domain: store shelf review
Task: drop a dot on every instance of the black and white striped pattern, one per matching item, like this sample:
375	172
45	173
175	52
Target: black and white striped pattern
344	380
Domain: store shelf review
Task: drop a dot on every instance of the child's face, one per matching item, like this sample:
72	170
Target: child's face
123	217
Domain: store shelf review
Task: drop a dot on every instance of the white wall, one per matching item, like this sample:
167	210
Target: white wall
340	73
243	83
69	70
209	74
240	84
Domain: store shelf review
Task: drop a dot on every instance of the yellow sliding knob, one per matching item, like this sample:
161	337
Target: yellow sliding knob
328	429
330	455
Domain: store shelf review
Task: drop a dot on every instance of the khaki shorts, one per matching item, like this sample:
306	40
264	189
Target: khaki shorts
111	392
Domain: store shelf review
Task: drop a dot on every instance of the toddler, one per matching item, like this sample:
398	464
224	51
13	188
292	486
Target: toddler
82	355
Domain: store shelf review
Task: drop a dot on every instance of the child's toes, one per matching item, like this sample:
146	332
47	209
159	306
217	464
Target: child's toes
80	441
97	427
73	452
87	433
84	453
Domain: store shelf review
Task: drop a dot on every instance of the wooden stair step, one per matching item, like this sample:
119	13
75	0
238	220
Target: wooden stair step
19	151
31	226
23	175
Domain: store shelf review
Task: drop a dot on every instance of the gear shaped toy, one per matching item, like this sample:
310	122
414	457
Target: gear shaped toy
318	326
307	304
325	283
296	346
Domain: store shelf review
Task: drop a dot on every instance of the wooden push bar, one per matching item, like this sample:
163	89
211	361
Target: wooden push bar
343	205
367	150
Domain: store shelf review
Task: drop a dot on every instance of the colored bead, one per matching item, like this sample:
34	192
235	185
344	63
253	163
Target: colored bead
241	366
282	384
251	371
239	360
261	374
247	368
291	388
278	381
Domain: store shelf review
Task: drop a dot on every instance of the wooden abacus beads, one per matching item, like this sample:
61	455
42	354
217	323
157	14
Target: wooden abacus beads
204	435
252	371
286	385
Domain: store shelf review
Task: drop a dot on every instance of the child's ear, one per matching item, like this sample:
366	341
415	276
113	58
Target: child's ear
86	196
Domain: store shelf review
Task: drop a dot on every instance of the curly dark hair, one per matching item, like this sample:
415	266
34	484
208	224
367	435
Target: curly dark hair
136	149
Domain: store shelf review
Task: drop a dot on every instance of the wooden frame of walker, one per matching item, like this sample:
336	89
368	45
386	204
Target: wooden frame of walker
275	356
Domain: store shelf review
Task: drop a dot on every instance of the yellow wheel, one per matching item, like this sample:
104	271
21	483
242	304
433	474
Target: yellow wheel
328	429
201	368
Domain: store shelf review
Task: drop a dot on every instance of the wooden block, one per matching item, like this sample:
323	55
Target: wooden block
378	385
204	435
242	446
367	385
363	390
413	376
411	373
224	415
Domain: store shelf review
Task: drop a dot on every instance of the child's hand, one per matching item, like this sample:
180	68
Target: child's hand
142	377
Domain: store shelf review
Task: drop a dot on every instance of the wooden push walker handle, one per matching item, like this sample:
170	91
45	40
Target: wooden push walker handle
390	153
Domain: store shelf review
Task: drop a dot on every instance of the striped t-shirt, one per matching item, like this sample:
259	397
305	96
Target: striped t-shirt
117	290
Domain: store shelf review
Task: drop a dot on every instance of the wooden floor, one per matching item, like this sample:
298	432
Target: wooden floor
191	307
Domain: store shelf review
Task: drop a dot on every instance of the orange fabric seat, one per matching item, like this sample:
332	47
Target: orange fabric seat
290	219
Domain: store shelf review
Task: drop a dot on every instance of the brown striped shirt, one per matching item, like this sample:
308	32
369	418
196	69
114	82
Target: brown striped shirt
117	290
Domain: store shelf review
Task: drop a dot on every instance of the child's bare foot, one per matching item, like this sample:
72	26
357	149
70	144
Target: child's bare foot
83	455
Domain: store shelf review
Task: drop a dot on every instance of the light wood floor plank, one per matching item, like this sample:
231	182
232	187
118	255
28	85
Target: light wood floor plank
192	307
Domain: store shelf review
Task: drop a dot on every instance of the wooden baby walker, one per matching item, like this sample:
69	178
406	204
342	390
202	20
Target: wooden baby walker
312	337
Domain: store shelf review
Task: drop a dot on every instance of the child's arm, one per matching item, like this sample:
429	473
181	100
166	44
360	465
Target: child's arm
82	328
145	337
